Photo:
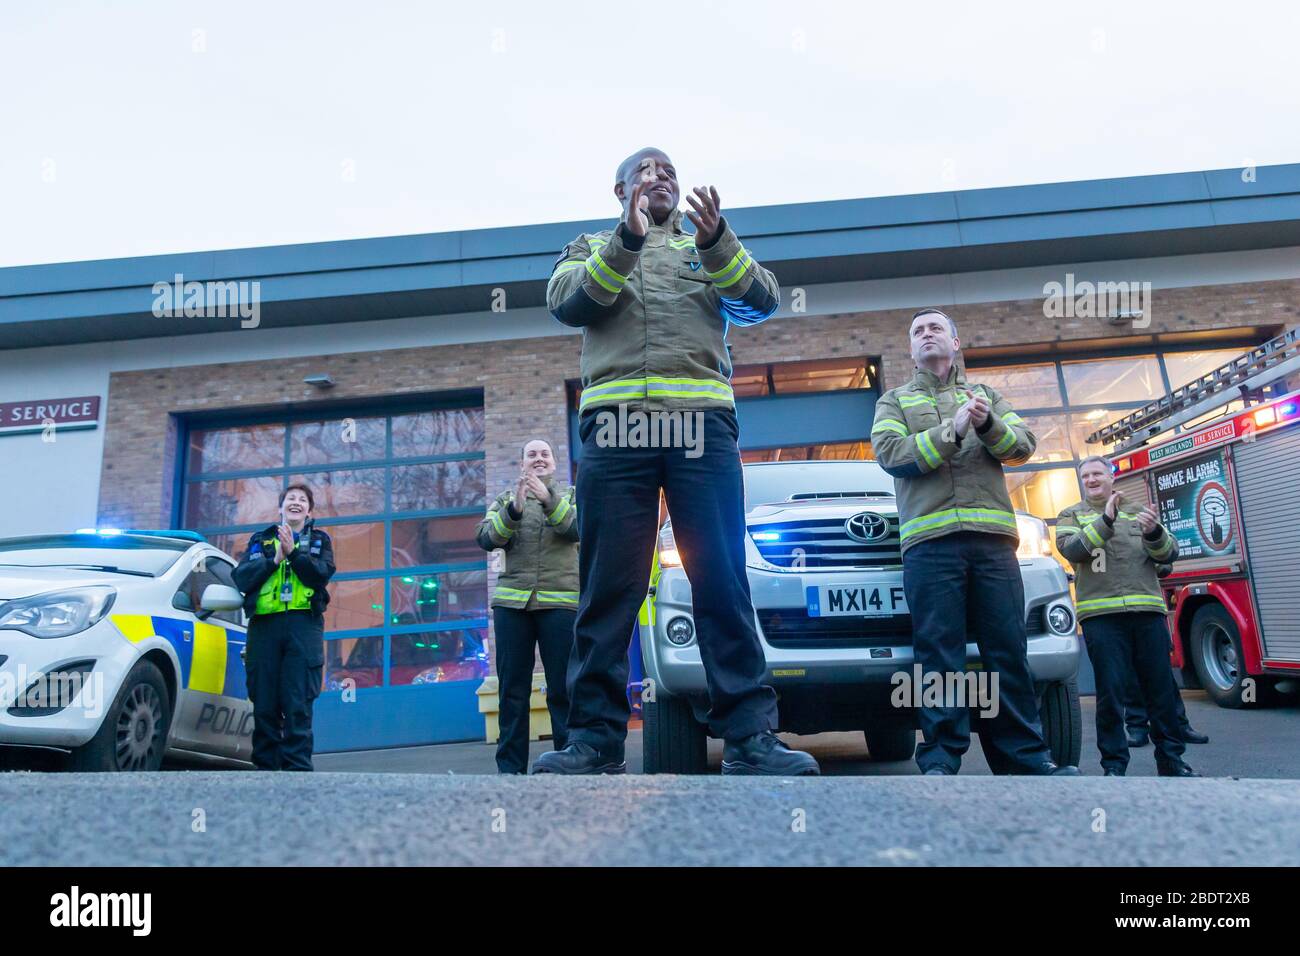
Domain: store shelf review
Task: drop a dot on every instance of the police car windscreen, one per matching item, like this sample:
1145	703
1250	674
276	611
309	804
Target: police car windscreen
130	553
772	482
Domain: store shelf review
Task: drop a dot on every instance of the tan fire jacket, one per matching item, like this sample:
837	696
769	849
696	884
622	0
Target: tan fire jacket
945	484
654	313
1114	566
541	550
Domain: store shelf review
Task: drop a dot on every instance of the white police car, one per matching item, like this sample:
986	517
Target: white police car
120	647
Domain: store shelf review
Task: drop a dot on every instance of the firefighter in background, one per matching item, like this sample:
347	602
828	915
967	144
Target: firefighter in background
945	442
535	599
1122	610
654	303
283	576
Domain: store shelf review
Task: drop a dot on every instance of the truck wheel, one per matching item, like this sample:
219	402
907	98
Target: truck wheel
133	734
890	744
1062	722
1216	654
673	741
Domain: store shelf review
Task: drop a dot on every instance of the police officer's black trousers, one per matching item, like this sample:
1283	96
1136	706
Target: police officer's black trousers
1122	647
284	658
518	632
618	507
961	587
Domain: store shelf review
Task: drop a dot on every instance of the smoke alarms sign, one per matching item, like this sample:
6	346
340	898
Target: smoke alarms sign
1196	507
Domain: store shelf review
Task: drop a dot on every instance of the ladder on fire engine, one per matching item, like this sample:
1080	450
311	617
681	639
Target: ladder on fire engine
1239	378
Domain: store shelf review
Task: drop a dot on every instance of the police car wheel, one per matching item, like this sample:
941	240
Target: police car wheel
133	734
1062	718
890	744
672	740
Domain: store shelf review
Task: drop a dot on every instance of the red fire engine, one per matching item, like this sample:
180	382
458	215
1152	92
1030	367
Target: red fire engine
1228	490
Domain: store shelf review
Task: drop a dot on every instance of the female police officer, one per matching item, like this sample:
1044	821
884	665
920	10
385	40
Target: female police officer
535	599
283	576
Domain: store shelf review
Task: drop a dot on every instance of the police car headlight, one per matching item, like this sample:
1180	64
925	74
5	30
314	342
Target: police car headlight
58	613
1034	539
1060	619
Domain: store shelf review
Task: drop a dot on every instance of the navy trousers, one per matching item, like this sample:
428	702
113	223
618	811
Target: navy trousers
1123	647
520	635
618	507
284	658
961	587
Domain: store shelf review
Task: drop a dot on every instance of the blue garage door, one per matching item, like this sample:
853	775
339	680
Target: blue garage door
400	494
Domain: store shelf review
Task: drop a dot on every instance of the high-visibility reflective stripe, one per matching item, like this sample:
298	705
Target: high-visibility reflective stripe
1011	418
499	526
733	271
1092	534
907	401
940	519
510	594
569	265
557	597
931	454
1004	443
682	242
891	424
560	511
605	277
1065	527
1128	600
657	387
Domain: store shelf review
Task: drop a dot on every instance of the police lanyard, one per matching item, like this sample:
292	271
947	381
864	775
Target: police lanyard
286	579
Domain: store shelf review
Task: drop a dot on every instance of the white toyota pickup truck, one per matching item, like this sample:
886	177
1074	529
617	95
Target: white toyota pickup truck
826	574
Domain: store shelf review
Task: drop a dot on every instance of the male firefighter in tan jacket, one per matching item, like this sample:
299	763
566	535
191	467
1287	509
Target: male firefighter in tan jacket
944	442
1122	609
654	304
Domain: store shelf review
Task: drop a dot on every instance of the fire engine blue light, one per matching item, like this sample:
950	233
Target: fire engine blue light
766	536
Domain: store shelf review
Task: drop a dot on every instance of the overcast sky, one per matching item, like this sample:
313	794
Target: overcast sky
135	128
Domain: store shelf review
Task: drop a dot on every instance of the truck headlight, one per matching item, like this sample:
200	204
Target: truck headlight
58	613
680	630
1035	542
1060	619
668	554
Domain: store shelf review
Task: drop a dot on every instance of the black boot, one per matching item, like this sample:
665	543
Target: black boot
1176	770
1193	736
1050	769
765	754
579	758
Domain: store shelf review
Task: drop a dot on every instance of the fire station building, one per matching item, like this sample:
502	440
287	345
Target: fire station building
400	378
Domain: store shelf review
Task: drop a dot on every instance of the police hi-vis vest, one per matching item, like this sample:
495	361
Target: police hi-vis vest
282	582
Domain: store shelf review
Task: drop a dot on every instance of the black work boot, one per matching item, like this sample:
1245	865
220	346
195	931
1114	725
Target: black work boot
1193	736
764	753
1175	770
1050	769
579	758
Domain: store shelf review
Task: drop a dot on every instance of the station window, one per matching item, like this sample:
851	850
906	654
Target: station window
400	496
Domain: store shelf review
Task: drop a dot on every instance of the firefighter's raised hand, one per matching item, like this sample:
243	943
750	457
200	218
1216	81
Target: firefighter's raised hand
637	218
1147	519
707	214
538	488
1112	505
961	421
979	409
521	493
